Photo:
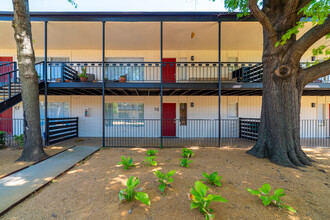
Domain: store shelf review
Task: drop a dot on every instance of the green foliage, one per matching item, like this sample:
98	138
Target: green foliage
201	201
83	72
164	179
150	161
126	162
213	178
2	137
129	193
19	139
185	162
152	152
187	153
268	199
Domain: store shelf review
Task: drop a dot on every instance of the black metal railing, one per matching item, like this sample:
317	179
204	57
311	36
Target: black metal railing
61	129
13	128
173	72
313	132
176	133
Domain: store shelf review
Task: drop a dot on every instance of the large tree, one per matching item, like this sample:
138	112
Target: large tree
283	77
33	146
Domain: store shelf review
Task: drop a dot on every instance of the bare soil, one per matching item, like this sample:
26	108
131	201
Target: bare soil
90	190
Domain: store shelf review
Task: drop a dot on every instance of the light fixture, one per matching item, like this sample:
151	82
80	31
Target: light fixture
192	104
313	104
192	35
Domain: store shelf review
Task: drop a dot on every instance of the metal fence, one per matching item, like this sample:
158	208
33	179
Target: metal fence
176	133
201	132
61	129
15	127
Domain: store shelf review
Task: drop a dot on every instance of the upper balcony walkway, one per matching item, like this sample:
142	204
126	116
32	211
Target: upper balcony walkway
176	78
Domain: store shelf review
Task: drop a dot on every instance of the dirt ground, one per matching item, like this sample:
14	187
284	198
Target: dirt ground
90	190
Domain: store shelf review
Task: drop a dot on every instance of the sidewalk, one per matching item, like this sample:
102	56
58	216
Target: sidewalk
17	186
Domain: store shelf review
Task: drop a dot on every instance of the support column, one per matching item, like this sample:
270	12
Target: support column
161	84
45	88
103	83
219	82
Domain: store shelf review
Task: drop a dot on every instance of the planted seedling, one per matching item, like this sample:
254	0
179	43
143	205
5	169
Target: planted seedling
187	153
212	179
150	161
126	162
201	201
185	162
164	179
129	193
151	152
268	199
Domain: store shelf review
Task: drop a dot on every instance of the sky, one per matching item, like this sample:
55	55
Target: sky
120	5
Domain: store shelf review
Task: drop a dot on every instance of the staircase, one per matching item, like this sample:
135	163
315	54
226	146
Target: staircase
10	87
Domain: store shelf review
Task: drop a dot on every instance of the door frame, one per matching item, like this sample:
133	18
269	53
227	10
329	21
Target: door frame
172	78
174	120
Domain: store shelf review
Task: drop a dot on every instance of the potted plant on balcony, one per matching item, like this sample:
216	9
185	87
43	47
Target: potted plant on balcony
83	76
123	78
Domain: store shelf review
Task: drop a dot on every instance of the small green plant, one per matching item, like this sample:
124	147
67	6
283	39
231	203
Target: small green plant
83	72
164	179
129	193
268	199
19	139
150	161
185	162
126	162
151	152
201	201
2	137
212	179
187	153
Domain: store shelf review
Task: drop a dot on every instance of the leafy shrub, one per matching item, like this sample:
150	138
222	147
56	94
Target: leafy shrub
126	162
212	179
268	199
164	179
150	161
201	201
185	162
129	193
187	153
2	137
19	140
151	152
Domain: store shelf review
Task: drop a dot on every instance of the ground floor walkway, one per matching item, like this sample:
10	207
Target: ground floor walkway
17	186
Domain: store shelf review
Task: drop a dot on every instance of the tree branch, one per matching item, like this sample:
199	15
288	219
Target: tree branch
309	38
312	73
290	7
262	18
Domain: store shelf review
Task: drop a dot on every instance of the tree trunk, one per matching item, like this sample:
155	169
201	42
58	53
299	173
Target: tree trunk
33	146
279	133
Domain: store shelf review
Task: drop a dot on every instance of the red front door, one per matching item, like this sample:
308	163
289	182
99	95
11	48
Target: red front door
5	68
169	114
169	68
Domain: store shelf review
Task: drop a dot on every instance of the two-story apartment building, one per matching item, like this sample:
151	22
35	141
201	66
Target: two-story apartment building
153	78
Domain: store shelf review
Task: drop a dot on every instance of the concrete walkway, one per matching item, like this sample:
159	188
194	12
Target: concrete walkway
17	186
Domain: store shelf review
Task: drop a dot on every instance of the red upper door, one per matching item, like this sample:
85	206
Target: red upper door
169	68
169	114
5	68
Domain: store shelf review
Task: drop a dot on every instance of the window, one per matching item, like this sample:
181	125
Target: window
129	114
55	110
233	110
183	113
130	66
321	115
